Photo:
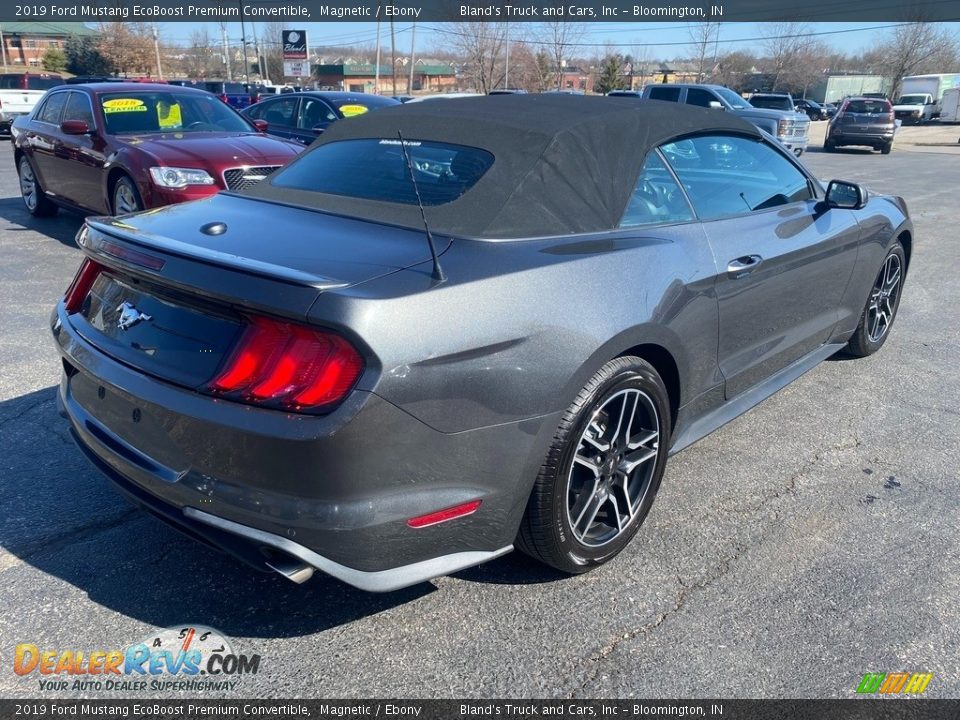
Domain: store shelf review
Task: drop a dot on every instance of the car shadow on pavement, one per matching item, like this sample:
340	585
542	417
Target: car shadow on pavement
59	516
62	228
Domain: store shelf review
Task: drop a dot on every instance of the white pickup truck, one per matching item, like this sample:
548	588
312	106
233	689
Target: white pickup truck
20	92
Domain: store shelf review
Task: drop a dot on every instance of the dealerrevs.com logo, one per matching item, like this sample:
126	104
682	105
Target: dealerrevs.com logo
187	658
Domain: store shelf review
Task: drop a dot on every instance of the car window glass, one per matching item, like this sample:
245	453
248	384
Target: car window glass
729	175
281	112
164	111
700	97
376	169
656	198
313	112
52	108
868	107
671	94
79	108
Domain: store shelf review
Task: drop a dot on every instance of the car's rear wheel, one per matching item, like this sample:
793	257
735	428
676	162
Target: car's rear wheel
34	199
602	471
126	197
882	306
885	149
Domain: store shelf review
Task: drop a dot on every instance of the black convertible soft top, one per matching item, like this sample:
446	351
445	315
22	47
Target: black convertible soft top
562	164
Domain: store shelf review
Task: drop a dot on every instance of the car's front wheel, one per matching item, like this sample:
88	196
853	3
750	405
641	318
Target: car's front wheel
829	145
34	199
882	306
126	197
602	471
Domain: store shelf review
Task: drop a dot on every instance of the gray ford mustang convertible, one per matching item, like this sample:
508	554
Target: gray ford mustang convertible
448	329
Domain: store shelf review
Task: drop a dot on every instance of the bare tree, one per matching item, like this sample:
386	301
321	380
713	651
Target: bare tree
127	46
271	46
917	48
559	39
734	68
783	45
202	59
481	45
703	39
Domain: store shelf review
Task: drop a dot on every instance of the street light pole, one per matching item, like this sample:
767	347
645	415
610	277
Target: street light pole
376	71
413	41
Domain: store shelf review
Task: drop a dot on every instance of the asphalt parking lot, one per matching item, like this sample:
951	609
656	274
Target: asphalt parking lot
810	541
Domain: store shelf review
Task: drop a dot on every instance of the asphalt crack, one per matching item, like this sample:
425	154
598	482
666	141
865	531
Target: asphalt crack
51	544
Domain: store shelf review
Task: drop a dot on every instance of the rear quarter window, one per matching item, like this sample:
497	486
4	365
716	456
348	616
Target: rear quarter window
375	169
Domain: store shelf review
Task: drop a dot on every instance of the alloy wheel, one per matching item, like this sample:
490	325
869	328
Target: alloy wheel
28	185
124	199
883	299
612	467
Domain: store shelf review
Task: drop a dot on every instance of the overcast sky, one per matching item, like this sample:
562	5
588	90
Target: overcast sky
663	40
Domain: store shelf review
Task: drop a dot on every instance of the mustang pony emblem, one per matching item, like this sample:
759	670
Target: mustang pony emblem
129	316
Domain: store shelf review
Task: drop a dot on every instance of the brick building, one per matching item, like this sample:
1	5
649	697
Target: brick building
24	43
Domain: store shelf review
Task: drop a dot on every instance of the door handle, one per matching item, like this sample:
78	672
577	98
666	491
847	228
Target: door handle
743	266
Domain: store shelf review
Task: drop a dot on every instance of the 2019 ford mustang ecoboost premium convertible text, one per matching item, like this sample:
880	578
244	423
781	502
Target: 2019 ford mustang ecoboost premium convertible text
291	374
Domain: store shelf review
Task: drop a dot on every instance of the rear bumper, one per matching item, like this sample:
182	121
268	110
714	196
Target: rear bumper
874	139
332	492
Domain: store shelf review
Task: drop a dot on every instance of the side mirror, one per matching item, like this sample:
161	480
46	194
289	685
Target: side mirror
74	127
261	125
715	105
845	195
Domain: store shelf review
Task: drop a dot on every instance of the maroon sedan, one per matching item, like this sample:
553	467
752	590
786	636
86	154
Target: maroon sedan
115	148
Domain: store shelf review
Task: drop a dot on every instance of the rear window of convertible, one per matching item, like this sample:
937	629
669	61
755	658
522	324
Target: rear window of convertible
375	169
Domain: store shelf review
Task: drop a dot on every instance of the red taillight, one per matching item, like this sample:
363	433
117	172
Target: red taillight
224	98
290	366
457	511
82	282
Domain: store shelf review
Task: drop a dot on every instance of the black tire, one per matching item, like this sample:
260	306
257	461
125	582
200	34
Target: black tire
866	340
885	149
125	198
547	532
829	145
34	200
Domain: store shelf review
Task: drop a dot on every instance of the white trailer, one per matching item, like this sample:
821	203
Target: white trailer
950	106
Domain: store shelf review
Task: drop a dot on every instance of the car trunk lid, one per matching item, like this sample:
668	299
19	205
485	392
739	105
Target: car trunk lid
178	285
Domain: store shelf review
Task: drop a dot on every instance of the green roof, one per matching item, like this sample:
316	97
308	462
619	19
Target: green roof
46	28
433	70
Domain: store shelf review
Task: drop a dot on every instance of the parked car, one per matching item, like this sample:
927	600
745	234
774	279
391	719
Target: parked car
792	129
19	94
318	383
116	148
862	121
303	116
814	110
625	93
831	109
507	91
235	94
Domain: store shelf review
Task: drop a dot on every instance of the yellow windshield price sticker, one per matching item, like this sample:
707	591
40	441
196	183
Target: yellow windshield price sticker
351	110
168	116
124	105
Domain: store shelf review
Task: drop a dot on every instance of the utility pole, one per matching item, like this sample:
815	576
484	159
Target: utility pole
393	60
506	70
376	71
413	40
243	34
3	49
226	50
261	64
156	48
